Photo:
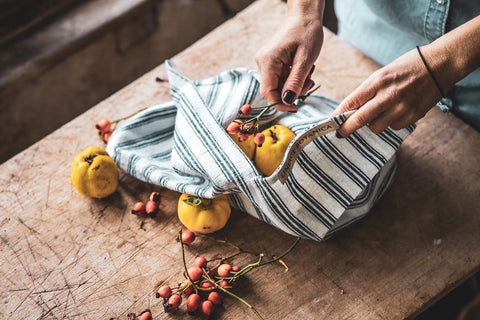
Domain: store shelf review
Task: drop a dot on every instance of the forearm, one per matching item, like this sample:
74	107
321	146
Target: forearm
456	54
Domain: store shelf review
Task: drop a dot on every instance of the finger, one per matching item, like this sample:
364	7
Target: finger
367	113
296	79
361	95
271	77
309	83
384	120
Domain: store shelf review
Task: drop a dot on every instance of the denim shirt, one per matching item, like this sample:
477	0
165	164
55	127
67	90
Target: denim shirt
384	30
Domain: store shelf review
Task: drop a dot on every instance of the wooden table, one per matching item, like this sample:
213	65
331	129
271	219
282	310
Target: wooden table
65	256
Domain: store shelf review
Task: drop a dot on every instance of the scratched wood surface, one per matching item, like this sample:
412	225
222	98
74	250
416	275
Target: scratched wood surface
65	256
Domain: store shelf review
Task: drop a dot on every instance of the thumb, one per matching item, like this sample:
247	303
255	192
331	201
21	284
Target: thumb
296	79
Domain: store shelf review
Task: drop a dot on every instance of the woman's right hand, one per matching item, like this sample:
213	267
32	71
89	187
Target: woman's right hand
286	61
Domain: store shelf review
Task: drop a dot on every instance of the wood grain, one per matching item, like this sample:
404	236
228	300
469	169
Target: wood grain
65	256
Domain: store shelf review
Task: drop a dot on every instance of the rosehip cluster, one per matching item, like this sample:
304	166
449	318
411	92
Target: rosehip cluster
246	127
145	315
104	128
201	284
150	208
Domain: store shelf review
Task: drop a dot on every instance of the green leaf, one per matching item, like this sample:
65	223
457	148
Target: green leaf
193	201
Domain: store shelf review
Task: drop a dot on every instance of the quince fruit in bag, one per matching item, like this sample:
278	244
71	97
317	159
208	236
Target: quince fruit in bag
203	215
94	173
270	155
248	146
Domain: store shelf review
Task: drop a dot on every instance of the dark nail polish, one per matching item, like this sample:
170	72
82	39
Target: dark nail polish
292	111
311	70
338	135
289	97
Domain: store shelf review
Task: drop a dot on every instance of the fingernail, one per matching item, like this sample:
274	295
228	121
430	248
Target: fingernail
289	97
292	111
338	135
313	83
311	70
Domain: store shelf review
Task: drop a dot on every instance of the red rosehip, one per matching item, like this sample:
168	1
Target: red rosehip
173	302
224	270
233	128
104	125
188	236
155	196
207	285
259	139
215	297
106	136
207	307
138	208
246	109
151	208
224	284
188	290
145	315
243	137
193	302
164	292
235	268
195	273
201	262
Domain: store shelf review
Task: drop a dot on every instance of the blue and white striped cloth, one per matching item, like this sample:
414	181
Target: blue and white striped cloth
182	145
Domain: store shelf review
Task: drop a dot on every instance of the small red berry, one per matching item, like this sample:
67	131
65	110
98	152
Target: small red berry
235	268
201	262
215	297
106	136
224	270
164	292
246	109
207	285
145	315
233	128
151	208
243	137
155	196
173	302
188	290
259	139
207	307
103	125
195	273
138	208
188	236
224	284
193	302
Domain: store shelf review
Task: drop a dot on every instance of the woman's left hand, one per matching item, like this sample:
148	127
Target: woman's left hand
396	95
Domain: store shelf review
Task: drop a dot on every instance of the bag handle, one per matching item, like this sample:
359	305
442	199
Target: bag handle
302	140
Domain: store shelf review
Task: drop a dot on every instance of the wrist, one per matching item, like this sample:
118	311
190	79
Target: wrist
306	9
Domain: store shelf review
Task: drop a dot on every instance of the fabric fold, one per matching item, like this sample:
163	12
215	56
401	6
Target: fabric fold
182	145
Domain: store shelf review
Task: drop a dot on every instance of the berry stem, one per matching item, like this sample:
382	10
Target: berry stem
259	263
183	260
233	295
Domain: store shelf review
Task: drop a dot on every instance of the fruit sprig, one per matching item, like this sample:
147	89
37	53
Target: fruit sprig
150	207
105	127
203	283
246	127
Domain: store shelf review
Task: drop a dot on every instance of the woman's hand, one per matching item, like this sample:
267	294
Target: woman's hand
396	95
286	61
402	92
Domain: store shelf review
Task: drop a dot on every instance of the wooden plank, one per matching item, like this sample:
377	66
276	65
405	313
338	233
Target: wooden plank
70	257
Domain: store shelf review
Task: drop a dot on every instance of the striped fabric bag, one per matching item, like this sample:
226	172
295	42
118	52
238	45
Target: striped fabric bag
182	145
